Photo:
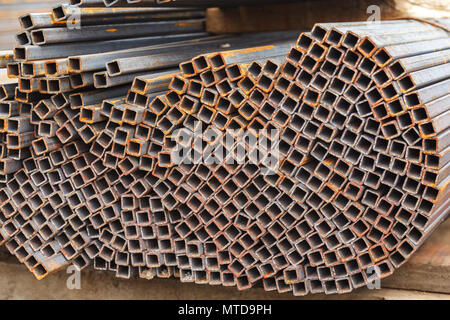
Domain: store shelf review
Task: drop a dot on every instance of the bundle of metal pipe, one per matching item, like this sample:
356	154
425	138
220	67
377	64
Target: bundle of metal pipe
317	171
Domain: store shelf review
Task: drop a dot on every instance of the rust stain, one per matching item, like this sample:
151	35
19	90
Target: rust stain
304	161
187	24
247	50
53	21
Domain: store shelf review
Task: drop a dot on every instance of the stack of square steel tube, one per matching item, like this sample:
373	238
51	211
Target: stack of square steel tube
150	148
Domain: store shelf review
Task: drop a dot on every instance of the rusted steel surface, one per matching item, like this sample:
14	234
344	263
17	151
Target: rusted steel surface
352	184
